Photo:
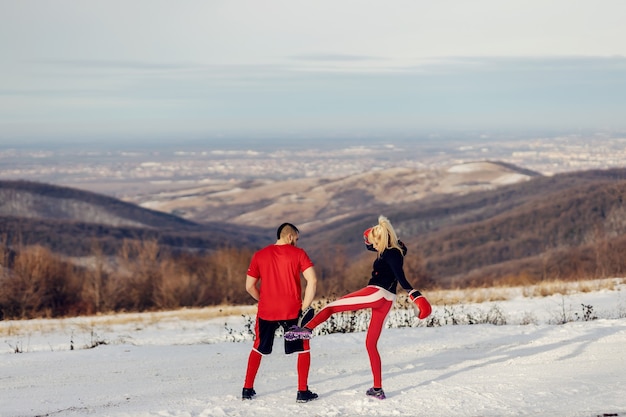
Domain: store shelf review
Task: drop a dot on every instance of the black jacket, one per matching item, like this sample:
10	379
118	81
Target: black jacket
388	270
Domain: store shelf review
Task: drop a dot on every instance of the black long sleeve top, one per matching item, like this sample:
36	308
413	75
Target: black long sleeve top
388	271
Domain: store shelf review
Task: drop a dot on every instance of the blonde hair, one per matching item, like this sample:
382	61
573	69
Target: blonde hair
383	236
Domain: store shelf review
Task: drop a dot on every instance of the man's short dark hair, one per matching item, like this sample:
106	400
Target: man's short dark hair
282	226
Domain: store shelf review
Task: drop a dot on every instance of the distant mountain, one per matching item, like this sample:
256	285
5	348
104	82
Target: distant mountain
70	221
313	202
44	201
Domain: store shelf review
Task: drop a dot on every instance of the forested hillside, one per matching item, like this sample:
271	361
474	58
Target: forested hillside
70	222
561	226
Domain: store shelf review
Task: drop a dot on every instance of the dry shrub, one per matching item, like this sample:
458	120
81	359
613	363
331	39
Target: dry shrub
482	295
468	295
172	287
140	270
335	274
150	278
145	277
416	271
226	276
352	277
39	284
94	283
547	288
522	279
552	287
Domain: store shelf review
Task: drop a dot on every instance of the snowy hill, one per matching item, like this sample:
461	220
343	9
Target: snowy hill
560	355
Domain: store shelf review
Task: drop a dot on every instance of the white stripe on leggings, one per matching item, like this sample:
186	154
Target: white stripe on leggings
380	293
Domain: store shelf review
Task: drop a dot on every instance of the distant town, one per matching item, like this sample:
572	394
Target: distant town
124	172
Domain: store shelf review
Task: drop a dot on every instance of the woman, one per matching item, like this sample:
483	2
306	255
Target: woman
379	295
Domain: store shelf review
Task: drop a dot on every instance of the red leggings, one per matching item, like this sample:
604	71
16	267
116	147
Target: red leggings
380	301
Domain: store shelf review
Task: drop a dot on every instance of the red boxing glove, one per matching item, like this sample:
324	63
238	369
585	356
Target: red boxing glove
366	235
369	245
422	304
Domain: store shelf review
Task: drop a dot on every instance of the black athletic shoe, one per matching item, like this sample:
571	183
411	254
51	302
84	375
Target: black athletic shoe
376	393
248	393
306	396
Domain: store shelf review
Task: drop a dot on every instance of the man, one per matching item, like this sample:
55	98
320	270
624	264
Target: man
273	279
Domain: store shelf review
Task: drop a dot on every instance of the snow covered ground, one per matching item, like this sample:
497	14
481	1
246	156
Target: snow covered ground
175	364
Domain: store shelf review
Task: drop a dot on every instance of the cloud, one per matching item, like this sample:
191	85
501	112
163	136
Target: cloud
336	58
108	64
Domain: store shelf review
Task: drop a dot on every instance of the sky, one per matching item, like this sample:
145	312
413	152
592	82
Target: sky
174	70
175	364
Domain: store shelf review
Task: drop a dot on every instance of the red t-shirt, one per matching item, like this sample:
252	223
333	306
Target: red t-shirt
279	268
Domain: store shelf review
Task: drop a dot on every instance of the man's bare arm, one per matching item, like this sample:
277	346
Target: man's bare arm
311	286
252	287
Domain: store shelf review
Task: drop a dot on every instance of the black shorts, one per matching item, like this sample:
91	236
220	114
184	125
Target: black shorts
265	330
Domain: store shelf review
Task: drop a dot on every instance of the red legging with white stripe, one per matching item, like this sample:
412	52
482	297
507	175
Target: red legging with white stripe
380	301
